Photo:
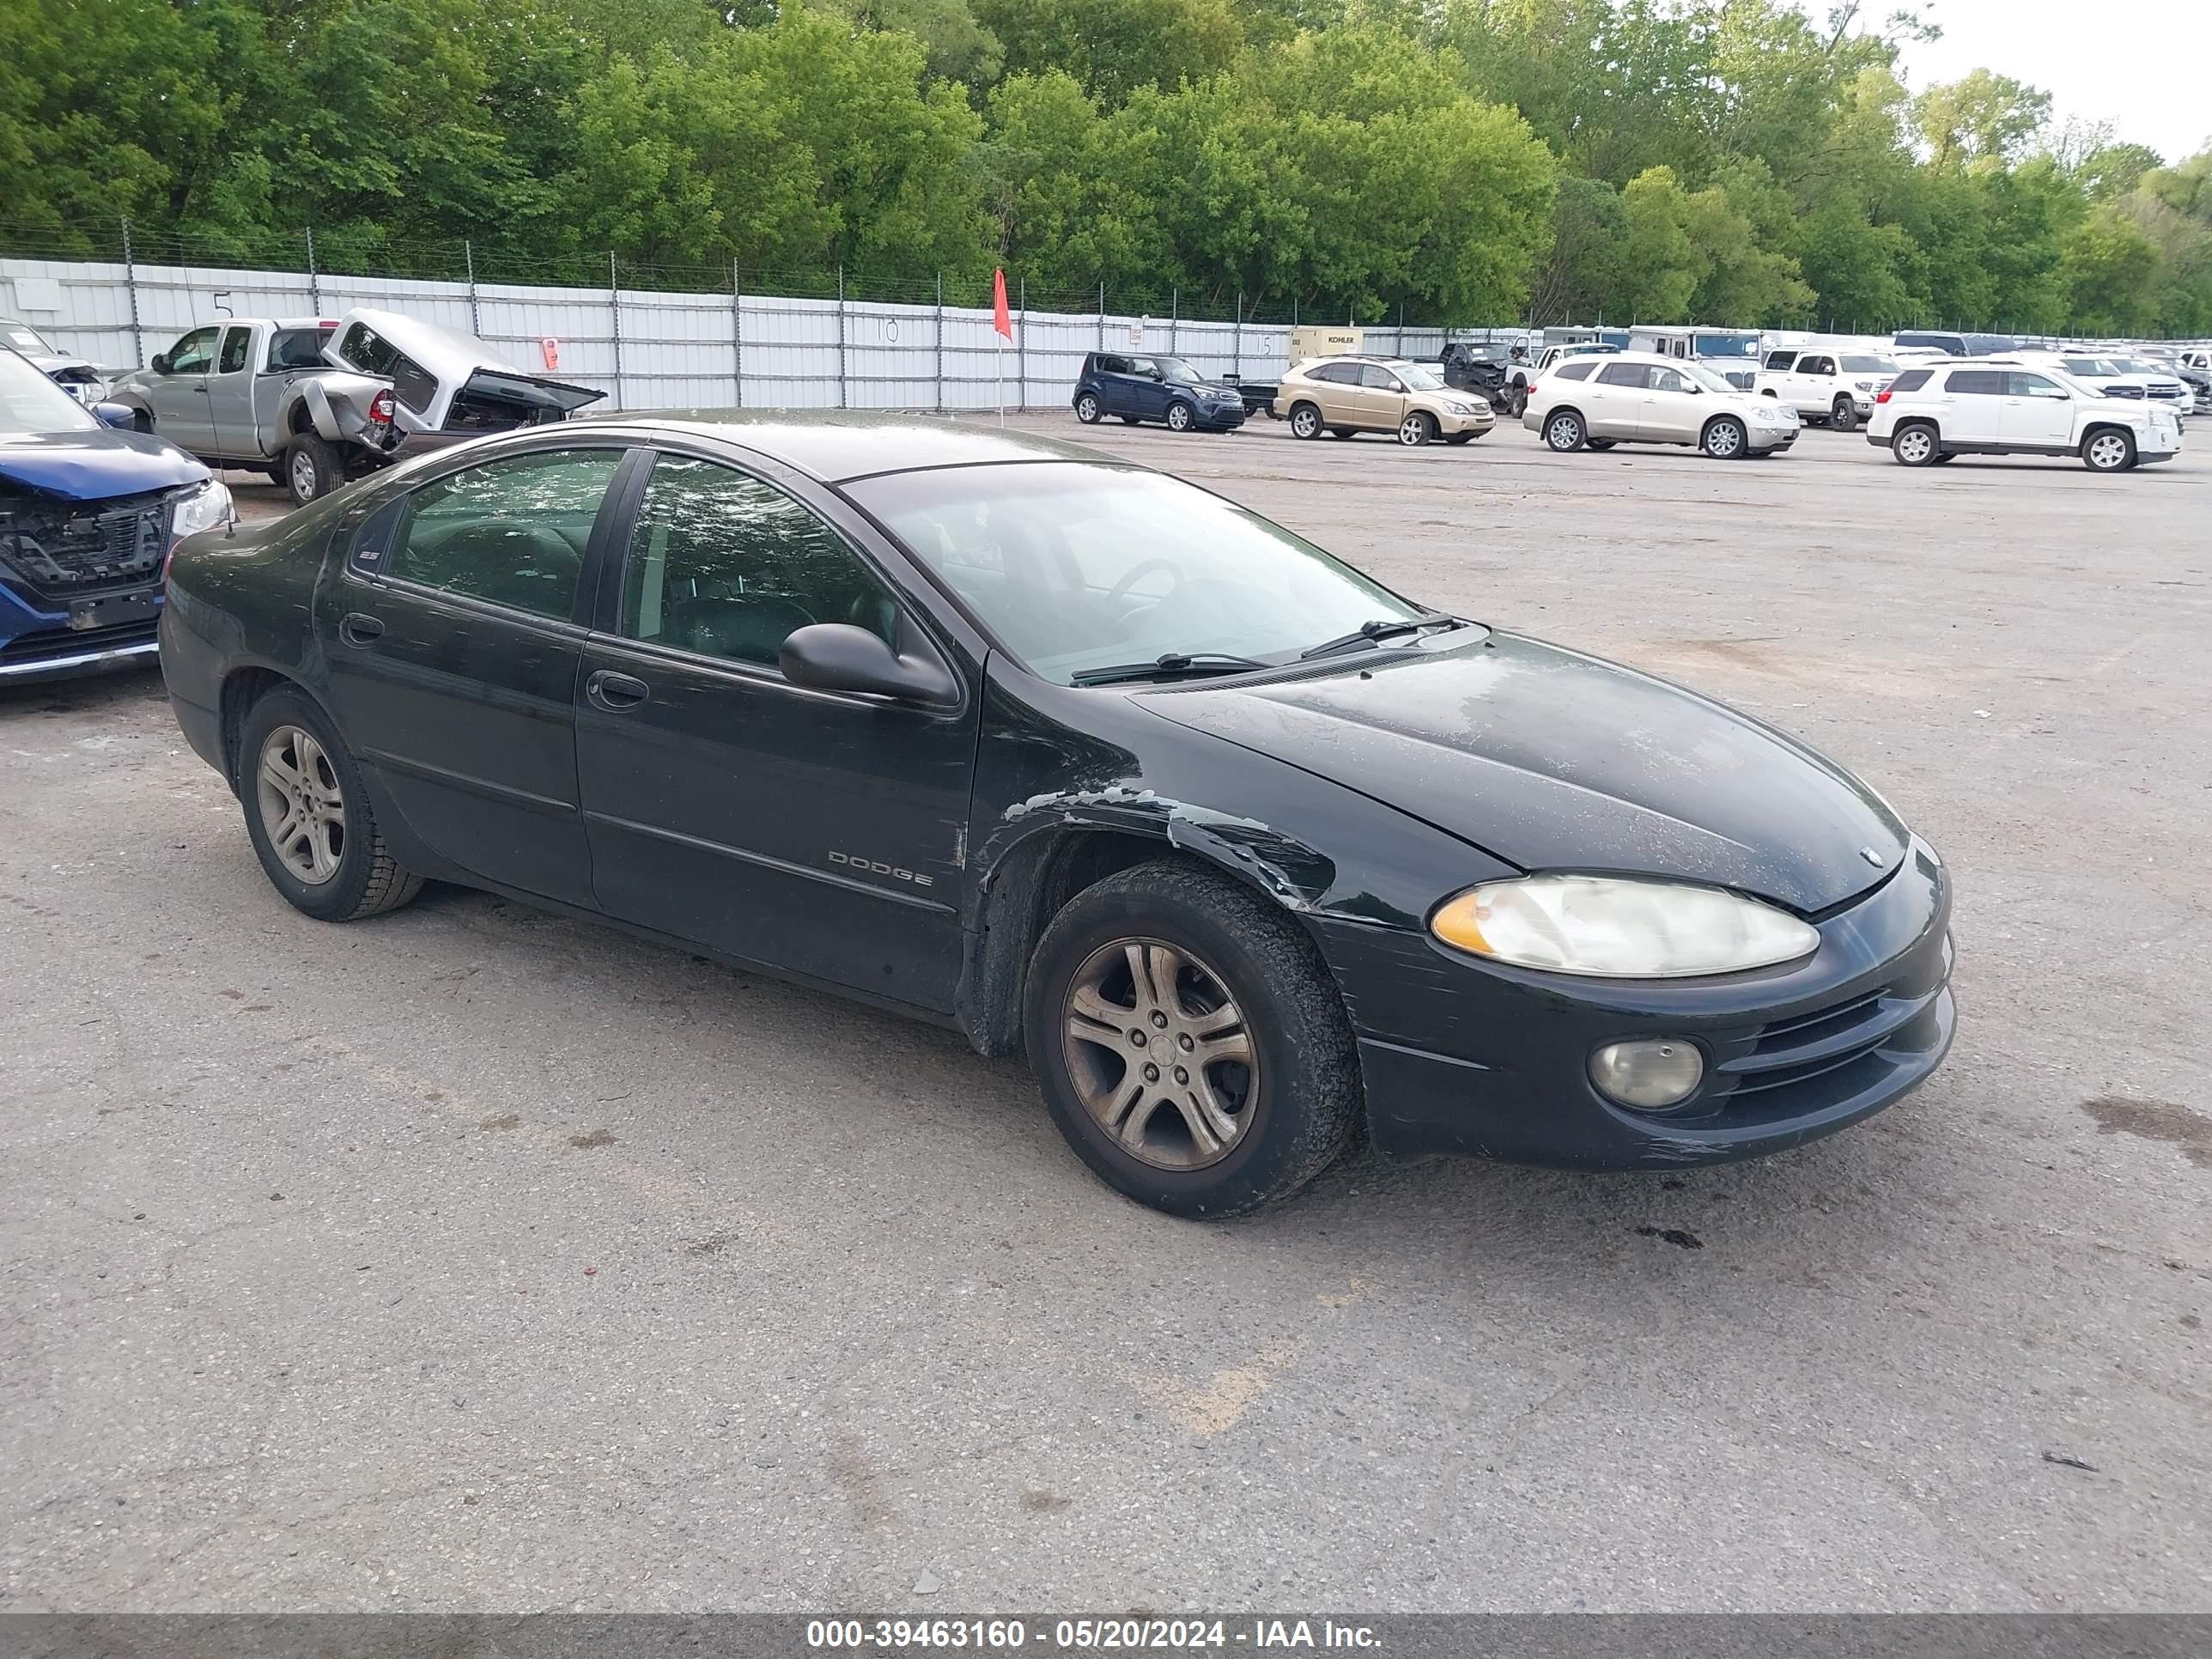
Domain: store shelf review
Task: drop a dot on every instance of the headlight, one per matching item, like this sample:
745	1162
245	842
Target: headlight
1863	386
1769	416
1616	927
203	509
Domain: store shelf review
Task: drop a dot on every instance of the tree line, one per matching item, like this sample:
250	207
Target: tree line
1732	161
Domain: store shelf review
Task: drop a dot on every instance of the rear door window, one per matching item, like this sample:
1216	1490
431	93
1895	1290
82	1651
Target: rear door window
512	531
1624	374
1976	383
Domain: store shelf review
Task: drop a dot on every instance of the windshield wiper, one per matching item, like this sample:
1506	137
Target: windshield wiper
1170	666
1372	633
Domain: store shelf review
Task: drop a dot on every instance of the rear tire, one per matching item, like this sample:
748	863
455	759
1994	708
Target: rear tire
1216	955
1461	437
1340	432
1600	443
314	784
1564	431
1305	420
1914	444
1726	438
1087	410
311	469
1845	416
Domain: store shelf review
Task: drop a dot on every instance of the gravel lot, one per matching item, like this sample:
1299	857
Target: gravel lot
473	1259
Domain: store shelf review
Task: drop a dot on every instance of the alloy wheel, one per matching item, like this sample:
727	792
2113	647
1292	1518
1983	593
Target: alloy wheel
1915	446
1178	417
1086	409
1413	429
303	475
2108	451
302	809
1160	1053
1306	422
1565	432
1724	440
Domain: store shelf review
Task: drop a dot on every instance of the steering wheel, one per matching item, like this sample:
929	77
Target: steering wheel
1136	574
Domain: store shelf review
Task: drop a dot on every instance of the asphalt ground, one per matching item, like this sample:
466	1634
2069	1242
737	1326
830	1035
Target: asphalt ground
475	1258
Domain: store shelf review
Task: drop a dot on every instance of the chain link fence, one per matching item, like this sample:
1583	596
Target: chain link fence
656	336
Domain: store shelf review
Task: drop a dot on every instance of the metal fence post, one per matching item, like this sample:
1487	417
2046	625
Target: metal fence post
937	342
1021	343
737	335
614	314
842	395
469	254
314	284
1174	318
1101	316
1401	328
130	283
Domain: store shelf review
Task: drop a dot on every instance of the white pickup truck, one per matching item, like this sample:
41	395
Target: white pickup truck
1825	384
313	402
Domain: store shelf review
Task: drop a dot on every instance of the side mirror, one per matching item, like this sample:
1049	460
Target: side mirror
161	364
115	415
839	657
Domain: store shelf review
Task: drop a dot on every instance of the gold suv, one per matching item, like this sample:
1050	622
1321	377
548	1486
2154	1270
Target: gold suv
1345	395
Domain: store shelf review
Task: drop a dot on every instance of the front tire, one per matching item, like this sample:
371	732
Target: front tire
1517	402
1915	445
1418	428
1565	432
1190	1043
311	469
1087	410
1726	438
1179	417
308	814
2108	451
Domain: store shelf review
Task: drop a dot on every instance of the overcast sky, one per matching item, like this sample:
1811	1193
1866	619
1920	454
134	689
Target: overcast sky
2144	65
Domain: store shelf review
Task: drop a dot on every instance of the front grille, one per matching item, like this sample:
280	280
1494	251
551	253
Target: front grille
1825	1056
61	552
1740	379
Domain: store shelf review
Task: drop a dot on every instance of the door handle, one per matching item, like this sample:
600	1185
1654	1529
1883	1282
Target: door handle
359	629
615	692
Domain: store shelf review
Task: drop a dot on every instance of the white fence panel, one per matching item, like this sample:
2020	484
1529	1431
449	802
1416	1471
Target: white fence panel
648	350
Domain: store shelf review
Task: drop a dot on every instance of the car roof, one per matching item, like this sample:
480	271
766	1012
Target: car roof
834	445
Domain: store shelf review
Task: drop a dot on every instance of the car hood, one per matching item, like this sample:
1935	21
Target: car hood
1549	759
91	467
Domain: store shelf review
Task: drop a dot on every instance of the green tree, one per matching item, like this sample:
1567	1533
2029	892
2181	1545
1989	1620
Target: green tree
1113	46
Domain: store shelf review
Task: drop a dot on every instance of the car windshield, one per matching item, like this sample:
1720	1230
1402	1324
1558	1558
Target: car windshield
1418	376
1076	566
1725	345
30	402
1869	366
2087	366
1705	377
1180	372
24	338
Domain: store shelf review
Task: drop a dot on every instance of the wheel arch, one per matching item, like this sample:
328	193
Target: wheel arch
2090	432
1557	409
243	686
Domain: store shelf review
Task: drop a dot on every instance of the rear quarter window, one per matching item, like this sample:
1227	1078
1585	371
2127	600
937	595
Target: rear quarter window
1912	380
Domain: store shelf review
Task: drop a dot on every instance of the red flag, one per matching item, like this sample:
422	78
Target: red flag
1002	318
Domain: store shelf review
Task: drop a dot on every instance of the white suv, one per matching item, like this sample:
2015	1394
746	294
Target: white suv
1929	415
1639	396
1825	384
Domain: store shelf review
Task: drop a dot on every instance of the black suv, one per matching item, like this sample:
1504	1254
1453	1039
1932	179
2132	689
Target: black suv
1165	389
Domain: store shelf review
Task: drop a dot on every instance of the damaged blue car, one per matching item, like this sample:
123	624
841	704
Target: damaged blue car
88	514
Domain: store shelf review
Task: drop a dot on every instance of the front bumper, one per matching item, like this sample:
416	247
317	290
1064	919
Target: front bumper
37	643
1472	1058
1774	437
1219	417
1481	421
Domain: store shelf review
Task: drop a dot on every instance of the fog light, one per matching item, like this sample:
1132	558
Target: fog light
1651	1075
